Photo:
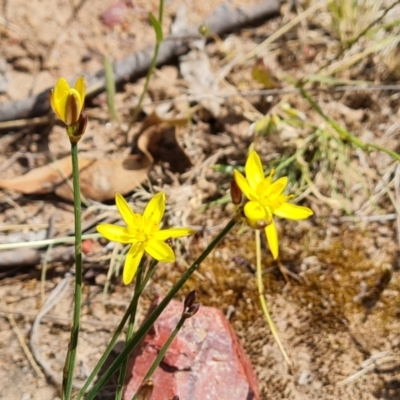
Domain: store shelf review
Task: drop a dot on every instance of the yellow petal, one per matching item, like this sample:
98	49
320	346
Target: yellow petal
172	233
272	238
292	211
255	211
59	98
80	87
244	186
124	209
53	103
115	233
132	262
159	250
254	170
276	188
154	210
61	89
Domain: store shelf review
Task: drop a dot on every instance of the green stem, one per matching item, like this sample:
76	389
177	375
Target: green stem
69	367
118	331
260	286
161	12
141	332
344	134
129	333
152	65
162	352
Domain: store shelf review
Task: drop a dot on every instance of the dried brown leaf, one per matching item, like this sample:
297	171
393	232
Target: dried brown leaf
101	179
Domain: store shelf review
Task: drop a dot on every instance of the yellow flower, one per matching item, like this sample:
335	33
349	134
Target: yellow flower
143	231
68	102
266	199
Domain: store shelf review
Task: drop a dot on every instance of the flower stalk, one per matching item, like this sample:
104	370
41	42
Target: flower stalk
132	306
68	104
263	302
129	332
70	360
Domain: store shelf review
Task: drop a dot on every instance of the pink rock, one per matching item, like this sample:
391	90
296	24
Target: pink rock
206	361
114	14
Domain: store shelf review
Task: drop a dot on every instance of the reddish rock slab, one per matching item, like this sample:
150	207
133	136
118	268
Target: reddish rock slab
206	361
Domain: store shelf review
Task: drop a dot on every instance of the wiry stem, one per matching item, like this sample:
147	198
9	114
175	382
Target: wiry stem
69	367
261	295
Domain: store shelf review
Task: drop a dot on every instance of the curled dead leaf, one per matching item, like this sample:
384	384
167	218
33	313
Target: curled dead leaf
102	178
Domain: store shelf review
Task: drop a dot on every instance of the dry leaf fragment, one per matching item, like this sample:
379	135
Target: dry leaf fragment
101	179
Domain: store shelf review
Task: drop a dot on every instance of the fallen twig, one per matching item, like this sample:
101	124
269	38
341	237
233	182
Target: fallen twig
55	296
224	19
21	340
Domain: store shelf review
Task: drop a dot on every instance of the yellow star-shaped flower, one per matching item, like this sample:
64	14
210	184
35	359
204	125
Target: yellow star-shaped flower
68	102
266	199
143	232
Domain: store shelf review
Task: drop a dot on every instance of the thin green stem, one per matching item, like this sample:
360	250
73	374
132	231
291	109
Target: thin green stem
153	63
157	312
129	332
118	331
161	12
162	352
344	134
69	367
260	286
146	84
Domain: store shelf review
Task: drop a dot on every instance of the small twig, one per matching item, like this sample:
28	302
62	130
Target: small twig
368	218
374	363
21	340
224	19
47	242
352	86
50	233
65	321
54	297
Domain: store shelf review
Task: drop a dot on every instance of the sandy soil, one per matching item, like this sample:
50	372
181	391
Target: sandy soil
335	293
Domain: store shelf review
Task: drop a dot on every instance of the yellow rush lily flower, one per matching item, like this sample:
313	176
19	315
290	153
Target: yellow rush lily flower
266	199
143	232
68	102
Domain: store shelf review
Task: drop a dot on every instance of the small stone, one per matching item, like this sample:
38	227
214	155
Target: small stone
206	361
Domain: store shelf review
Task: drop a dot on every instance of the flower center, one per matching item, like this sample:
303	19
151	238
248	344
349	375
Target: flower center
271	199
143	231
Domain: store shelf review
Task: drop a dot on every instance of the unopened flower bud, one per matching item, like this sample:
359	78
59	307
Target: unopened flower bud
190	307
76	131
190	299
189	312
236	193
